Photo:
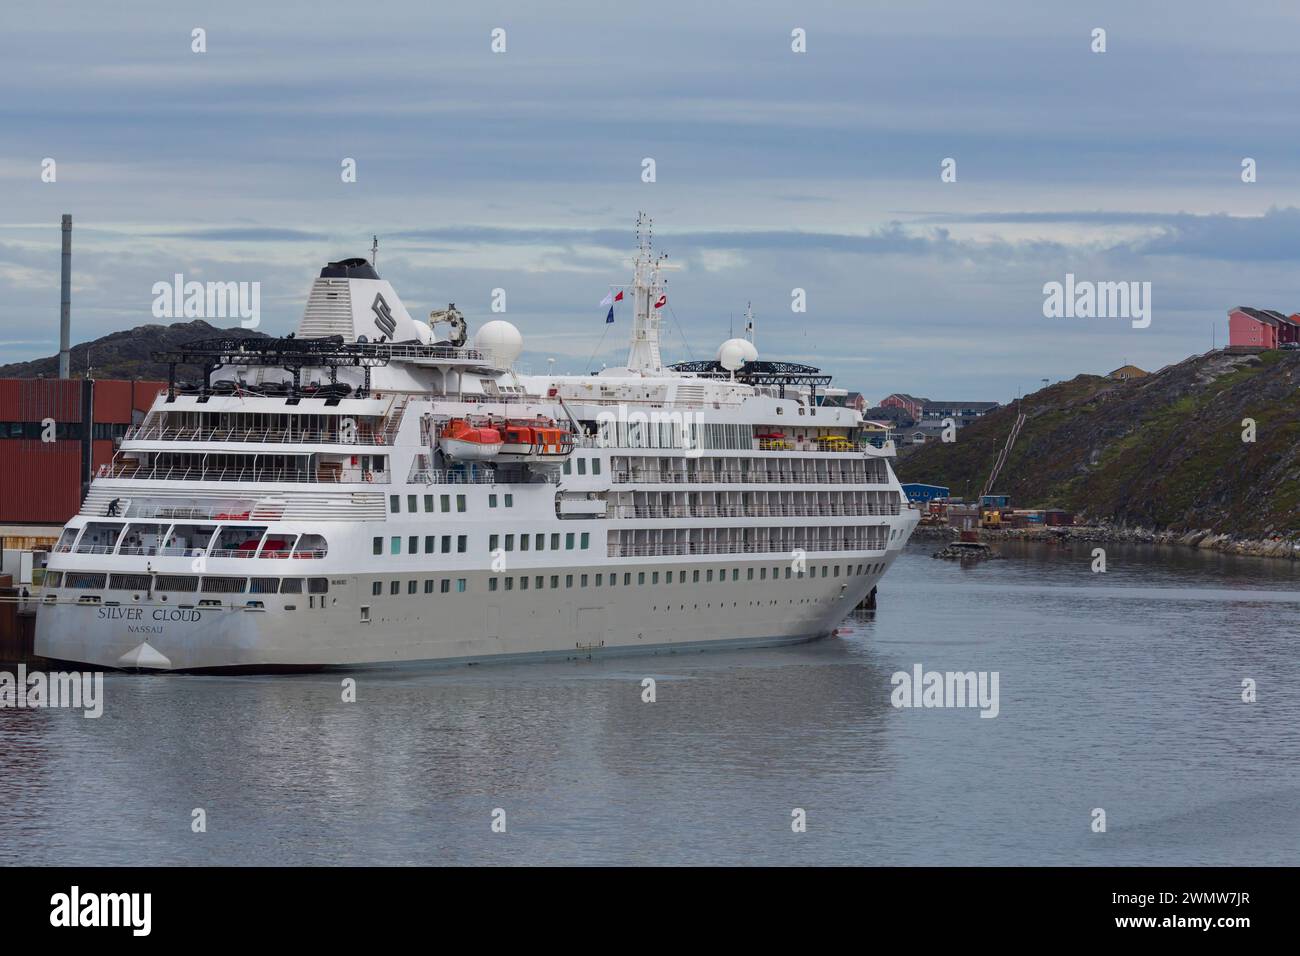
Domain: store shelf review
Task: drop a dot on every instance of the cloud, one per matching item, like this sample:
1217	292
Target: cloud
245	234
776	170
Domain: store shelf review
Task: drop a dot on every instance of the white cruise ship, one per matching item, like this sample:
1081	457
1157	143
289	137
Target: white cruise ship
363	493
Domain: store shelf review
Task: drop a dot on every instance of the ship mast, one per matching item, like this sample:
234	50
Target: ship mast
647	289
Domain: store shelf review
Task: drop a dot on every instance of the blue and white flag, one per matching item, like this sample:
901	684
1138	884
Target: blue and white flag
610	318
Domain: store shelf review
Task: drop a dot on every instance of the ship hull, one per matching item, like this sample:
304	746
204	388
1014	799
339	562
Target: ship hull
450	628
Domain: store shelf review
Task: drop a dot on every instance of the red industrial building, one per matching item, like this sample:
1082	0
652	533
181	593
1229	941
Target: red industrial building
1261	328
909	403
42	482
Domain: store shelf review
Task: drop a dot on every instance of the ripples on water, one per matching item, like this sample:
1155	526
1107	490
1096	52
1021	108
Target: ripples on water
1118	690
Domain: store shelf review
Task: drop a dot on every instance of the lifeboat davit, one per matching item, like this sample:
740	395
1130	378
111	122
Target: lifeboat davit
466	442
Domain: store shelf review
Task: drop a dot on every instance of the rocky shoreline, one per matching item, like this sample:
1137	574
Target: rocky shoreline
1279	547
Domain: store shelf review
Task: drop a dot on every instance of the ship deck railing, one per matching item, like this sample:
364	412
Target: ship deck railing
758	444
741	478
757	511
232	511
252	475
487	476
364	435
152	551
673	548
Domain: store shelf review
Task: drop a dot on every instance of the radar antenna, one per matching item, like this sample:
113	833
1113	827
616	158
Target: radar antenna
648	296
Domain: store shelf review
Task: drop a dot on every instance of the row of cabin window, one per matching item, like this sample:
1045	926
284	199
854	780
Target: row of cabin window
539	541
412	586
413	544
186	583
444	504
583	579
582	466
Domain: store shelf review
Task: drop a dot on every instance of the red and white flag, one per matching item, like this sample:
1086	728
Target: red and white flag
611	298
661	301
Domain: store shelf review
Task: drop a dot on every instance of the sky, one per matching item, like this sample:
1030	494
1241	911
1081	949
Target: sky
775	170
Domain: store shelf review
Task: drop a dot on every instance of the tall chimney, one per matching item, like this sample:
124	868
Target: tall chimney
65	303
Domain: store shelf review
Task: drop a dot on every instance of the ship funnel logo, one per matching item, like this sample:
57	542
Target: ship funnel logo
384	320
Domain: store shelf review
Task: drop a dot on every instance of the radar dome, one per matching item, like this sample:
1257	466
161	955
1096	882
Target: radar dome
500	342
734	353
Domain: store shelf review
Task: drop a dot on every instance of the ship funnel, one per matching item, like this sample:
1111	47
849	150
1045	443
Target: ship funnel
350	300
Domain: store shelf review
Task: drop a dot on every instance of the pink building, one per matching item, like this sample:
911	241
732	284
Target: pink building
1260	328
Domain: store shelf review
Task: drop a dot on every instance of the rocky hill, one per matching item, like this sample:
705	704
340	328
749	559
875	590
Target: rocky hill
125	354
1164	452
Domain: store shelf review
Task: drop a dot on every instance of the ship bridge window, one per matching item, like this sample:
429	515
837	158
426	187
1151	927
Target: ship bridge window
176	582
130	582
187	540
310	546
223	585
264	585
100	537
66	539
85	579
238	541
145	539
291	586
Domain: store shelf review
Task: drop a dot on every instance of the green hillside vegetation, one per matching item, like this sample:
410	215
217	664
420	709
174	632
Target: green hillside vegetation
1162	452
126	354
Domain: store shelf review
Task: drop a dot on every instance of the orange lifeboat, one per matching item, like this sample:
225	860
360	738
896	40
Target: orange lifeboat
462	440
535	439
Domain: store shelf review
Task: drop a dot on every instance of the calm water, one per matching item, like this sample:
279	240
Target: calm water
1120	691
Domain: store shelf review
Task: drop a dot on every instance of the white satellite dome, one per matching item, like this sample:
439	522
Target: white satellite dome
500	342
423	331
734	353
